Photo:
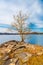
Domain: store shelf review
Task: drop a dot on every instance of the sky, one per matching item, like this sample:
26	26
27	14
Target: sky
8	8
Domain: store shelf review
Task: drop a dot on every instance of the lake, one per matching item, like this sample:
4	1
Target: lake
32	39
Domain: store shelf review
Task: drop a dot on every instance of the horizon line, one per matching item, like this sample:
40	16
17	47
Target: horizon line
37	33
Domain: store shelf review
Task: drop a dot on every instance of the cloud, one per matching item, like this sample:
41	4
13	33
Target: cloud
7	10
36	15
39	25
3	30
10	7
35	9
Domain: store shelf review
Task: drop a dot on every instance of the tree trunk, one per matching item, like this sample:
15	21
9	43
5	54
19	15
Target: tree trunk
22	38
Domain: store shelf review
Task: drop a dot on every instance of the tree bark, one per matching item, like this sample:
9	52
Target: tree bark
22	38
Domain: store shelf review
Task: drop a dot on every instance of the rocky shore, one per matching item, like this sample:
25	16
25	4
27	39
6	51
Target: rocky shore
20	53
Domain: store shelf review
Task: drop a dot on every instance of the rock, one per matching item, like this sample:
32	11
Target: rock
20	53
12	64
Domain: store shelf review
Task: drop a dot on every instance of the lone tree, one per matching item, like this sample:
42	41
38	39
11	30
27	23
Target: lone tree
20	24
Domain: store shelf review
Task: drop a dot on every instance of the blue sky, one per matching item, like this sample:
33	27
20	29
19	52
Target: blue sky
8	8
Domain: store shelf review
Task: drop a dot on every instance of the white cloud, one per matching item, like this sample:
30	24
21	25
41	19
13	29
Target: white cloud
34	10
2	5
5	19
39	25
5	30
8	9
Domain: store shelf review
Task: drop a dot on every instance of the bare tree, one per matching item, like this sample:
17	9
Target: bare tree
20	24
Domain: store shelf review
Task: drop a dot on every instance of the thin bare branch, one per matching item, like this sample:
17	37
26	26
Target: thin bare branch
19	25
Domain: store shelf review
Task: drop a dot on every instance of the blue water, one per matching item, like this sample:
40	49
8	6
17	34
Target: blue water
35	39
32	39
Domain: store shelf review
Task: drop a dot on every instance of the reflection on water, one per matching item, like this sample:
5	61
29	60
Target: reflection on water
33	39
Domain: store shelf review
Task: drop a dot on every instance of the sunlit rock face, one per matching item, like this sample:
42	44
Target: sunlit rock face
20	53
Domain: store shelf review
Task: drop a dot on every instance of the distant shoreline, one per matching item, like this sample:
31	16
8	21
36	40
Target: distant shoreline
37	33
